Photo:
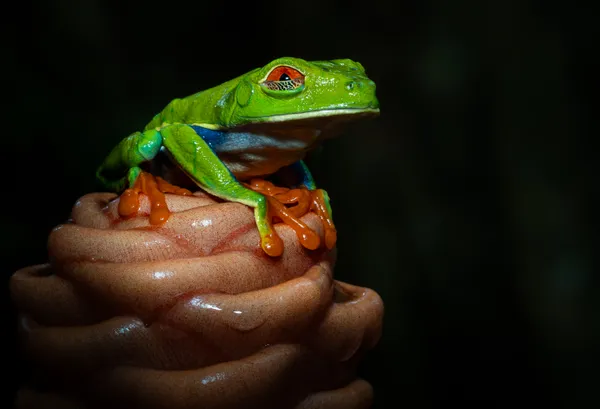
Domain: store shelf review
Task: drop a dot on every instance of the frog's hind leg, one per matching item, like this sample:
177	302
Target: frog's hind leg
319	201
199	161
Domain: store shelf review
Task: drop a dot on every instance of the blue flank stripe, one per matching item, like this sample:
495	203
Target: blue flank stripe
212	137
238	142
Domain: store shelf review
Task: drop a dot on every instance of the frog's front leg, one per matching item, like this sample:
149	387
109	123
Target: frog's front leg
319	201
195	157
126	159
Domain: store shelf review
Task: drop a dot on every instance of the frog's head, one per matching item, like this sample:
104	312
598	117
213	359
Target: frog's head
294	90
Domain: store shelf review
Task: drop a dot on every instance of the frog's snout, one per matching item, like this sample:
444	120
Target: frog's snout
361	91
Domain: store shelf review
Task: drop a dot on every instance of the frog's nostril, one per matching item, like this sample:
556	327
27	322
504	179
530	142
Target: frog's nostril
350	85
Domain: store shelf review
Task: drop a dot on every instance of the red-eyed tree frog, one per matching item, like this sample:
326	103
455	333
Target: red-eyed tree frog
252	126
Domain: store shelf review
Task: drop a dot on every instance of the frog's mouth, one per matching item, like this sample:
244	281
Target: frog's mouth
310	126
336	113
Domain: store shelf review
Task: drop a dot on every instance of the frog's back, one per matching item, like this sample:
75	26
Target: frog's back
207	107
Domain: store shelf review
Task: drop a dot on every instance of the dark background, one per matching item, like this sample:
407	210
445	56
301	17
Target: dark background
469	205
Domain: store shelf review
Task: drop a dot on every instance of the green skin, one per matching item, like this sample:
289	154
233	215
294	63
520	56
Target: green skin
259	130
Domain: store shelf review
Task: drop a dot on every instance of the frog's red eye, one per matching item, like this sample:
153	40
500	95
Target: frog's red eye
284	73
284	78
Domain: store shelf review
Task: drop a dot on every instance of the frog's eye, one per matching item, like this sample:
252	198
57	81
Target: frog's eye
284	78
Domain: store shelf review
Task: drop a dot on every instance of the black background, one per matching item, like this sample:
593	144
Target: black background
469	205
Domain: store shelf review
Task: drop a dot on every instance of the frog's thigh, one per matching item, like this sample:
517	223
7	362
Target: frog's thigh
200	162
308	181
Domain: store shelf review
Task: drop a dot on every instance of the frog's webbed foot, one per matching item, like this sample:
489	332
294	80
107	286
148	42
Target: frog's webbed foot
305	200
155	188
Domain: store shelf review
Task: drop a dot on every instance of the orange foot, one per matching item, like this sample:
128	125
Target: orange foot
305	200
154	187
